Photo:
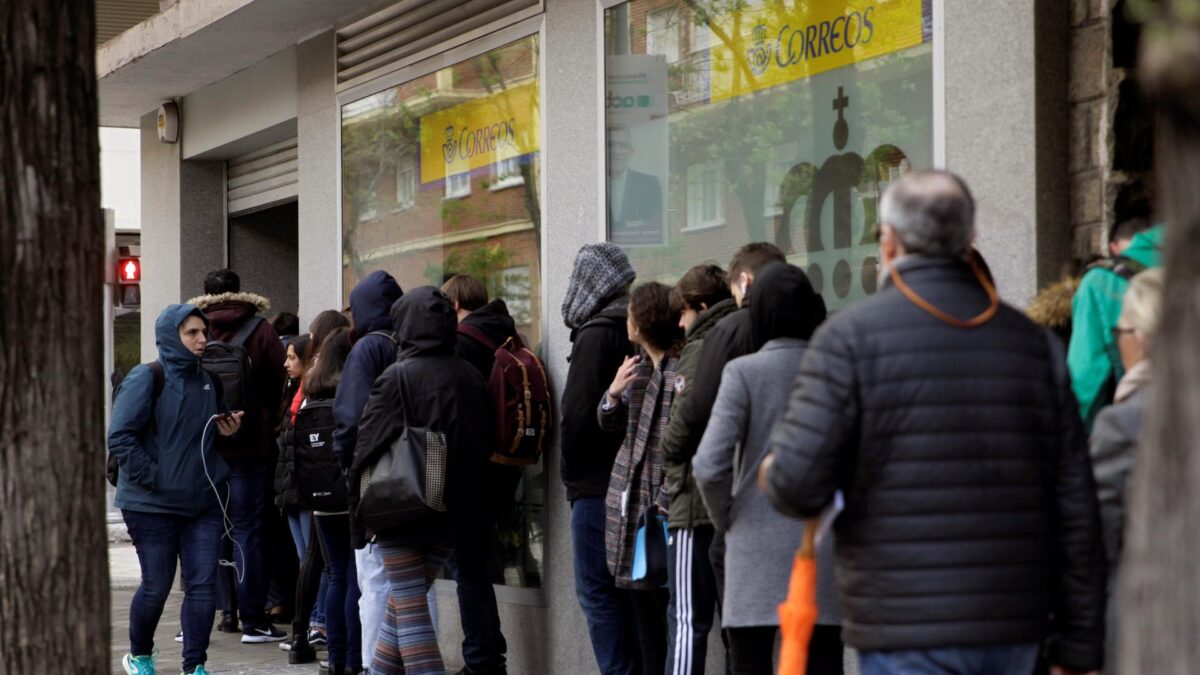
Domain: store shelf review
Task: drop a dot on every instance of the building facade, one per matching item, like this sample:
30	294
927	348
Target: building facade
321	140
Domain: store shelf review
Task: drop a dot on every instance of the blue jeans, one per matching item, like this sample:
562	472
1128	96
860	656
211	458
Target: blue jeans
300	523
161	539
342	626
247	498
608	609
997	660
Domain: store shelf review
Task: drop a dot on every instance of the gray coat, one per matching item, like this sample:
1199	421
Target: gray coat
1113	449
760	543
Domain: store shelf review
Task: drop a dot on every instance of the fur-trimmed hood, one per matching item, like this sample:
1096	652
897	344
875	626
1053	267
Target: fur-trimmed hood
260	304
1052	306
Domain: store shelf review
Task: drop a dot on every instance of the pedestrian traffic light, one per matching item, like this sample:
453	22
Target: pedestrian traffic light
129	270
129	278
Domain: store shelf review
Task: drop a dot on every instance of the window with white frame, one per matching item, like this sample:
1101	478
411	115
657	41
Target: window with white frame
701	37
515	287
773	179
458	185
662	33
705	196
406	182
506	173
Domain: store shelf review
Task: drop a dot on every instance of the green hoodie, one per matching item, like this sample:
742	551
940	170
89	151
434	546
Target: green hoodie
1094	313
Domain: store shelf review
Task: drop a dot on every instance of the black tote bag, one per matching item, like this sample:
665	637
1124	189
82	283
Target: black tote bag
406	486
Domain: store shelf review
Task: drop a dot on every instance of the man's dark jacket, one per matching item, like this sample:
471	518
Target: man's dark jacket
226	313
597	349
370	302
727	340
970	510
429	387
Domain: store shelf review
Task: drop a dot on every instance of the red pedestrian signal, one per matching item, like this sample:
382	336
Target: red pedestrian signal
129	270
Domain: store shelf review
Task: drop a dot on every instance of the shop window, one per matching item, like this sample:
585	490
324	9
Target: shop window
433	141
777	122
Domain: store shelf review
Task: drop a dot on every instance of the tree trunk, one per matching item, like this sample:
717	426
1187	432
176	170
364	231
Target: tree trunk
54	603
1158	601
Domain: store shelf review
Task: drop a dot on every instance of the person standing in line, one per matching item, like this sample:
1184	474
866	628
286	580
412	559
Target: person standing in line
760	543
428	388
595	311
483	645
702	298
727	340
970	532
165	420
251	454
639	401
374	350
1092	355
1114	440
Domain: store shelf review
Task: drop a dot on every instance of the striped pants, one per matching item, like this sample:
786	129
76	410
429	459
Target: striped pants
693	599
407	643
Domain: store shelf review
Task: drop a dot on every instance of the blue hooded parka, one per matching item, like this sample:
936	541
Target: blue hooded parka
370	304
162	469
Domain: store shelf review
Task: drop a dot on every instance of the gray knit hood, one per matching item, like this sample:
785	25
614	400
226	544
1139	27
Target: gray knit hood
601	270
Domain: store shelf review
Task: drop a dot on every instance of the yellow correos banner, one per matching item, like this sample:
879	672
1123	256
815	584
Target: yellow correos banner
477	133
766	46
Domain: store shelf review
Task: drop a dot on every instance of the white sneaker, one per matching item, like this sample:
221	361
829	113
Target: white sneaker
179	636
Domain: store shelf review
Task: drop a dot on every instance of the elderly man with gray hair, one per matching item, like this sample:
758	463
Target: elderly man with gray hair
970	535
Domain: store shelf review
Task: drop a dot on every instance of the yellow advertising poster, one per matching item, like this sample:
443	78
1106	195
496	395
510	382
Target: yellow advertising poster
775	43
472	135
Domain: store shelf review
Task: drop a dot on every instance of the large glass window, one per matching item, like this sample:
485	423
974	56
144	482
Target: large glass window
440	176
763	120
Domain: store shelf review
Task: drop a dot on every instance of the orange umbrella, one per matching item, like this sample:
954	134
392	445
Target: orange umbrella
798	614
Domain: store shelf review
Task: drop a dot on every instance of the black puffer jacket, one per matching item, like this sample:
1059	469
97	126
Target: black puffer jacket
970	509
432	388
597	349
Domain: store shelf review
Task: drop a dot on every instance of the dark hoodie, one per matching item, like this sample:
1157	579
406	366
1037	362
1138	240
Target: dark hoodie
784	305
226	313
597	349
163	464
429	387
370	302
496	323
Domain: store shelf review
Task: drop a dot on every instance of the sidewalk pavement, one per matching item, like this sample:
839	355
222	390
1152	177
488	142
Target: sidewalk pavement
226	654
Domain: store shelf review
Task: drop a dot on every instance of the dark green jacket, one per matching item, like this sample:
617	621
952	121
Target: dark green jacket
687	509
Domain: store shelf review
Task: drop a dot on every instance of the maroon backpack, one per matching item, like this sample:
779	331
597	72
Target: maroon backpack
520	400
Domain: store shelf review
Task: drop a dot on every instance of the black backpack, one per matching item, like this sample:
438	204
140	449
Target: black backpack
229	363
317	475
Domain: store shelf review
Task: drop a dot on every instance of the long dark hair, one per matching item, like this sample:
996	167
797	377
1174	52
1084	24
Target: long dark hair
321	328
298	344
321	381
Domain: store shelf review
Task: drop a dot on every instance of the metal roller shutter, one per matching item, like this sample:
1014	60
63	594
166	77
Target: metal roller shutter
262	178
415	29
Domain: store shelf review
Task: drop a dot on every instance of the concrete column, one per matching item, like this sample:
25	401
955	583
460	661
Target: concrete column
1006	132
573	216
183	226
320	230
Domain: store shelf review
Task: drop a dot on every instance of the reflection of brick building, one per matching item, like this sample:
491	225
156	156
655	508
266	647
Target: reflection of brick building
483	221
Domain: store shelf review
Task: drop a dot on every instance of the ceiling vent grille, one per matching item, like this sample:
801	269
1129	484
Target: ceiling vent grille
412	30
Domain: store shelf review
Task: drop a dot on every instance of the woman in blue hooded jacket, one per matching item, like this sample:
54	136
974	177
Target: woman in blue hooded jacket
162	435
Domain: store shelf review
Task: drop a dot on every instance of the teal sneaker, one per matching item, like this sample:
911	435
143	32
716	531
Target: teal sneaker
138	665
200	670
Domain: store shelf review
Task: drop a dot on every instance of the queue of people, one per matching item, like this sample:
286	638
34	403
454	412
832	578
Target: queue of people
930	435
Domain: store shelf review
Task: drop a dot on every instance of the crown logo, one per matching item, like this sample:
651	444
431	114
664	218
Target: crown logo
759	56
760	33
450	146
